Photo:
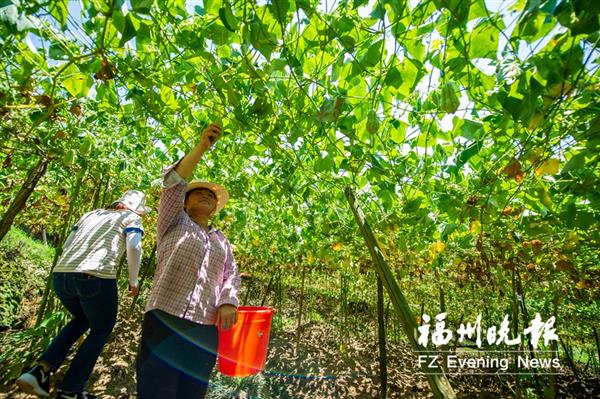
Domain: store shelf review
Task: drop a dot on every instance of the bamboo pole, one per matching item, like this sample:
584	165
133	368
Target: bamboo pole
300	309
382	343
439	383
526	318
515	325
552	391
597	343
264	299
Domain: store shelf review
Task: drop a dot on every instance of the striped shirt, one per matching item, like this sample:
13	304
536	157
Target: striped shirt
195	270
98	242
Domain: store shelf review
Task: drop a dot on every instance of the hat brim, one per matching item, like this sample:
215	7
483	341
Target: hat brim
219	191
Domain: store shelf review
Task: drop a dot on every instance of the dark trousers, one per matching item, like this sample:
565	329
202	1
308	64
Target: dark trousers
93	303
176	357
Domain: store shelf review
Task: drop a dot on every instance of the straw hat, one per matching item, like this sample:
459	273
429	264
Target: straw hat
134	200
219	191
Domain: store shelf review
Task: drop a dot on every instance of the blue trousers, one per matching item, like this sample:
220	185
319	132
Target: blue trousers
93	304
176	357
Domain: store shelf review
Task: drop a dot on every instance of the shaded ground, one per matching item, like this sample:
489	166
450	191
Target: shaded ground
320	369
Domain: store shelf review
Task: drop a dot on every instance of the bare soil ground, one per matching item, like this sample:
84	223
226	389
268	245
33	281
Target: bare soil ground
319	369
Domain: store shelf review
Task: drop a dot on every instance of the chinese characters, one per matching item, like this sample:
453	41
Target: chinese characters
494	336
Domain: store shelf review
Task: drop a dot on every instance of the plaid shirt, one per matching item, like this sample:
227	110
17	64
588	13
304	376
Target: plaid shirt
195	270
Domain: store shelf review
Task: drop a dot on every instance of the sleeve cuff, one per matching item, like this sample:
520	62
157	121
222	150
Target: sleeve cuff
128	230
171	178
229	301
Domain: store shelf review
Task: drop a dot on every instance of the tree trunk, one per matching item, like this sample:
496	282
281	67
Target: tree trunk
382	343
33	176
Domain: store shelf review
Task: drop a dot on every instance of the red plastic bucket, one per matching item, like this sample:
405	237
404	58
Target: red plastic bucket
243	348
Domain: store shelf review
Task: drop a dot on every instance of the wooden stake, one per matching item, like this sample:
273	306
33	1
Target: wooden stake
382	344
439	384
299	328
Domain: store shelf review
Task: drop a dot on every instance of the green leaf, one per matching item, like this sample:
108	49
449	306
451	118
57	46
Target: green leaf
218	34
262	39
397	131
576	162
323	164
534	26
142	6
378	11
393	78
413	41
410	76
483	40
125	26
373	55
458	8
348	42
477	10
467	153
280	9
59	9
472	130
581	16
68	157
168	98
76	83
56	51
585	220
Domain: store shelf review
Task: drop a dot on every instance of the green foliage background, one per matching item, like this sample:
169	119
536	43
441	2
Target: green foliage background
473	144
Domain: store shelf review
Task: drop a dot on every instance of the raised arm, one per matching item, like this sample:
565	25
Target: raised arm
188	163
175	179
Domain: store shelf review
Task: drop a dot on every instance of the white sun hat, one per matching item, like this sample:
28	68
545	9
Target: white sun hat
219	191
135	200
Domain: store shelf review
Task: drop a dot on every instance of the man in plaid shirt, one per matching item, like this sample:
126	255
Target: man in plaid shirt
195	285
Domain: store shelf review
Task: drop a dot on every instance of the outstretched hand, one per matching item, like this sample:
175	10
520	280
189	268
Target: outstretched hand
186	166
210	135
